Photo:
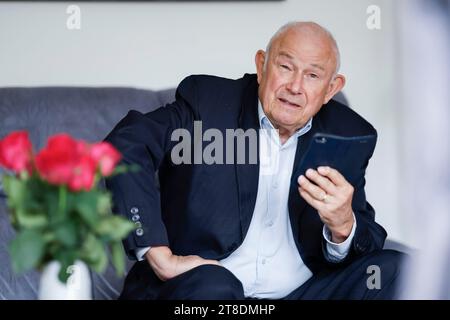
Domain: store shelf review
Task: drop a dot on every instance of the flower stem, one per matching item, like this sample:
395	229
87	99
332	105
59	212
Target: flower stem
62	201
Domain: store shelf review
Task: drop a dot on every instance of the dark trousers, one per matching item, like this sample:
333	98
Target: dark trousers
211	282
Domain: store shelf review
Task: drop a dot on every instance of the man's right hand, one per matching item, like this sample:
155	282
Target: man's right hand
167	265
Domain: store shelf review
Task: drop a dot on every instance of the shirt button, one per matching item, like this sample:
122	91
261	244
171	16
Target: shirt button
134	210
270	223
135	217
263	261
139	232
275	185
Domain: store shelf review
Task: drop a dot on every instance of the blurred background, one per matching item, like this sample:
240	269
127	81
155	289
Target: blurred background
394	54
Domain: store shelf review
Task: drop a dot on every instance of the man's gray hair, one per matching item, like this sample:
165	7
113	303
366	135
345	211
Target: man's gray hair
303	24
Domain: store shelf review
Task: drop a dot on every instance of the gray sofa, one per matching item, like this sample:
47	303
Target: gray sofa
85	113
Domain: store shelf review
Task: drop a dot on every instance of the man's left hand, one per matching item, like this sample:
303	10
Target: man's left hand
327	191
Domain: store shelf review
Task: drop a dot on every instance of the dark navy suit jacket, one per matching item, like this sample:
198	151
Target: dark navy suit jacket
206	209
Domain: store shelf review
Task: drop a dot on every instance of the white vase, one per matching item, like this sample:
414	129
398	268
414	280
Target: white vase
78	286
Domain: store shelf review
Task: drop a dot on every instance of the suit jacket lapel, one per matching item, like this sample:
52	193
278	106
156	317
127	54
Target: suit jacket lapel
247	174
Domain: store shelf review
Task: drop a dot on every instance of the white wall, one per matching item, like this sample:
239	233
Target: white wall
155	45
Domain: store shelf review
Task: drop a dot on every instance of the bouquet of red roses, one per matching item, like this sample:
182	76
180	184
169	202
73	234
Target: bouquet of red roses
56	205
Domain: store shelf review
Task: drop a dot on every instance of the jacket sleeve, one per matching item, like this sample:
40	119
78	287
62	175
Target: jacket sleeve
144	140
369	235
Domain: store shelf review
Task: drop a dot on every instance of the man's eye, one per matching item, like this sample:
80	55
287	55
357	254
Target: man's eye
313	75
286	67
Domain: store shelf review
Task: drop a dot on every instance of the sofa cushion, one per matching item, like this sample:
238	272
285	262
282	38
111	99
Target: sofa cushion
85	113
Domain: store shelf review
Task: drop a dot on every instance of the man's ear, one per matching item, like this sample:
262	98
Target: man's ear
259	62
335	86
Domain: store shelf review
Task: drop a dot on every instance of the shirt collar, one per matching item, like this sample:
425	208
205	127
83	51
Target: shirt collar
265	123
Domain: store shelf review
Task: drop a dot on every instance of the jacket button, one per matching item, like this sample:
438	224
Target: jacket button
139	232
138	224
134	210
135	217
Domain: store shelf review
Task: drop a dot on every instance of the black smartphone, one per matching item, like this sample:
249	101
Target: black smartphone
346	154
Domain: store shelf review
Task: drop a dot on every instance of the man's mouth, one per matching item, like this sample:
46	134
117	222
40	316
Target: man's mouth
289	103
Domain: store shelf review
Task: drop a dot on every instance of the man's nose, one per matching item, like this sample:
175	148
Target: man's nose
295	86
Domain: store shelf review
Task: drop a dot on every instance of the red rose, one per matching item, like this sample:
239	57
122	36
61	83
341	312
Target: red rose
83	174
56	162
16	152
106	157
66	161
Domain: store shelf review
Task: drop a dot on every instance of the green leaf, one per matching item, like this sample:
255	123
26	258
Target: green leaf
27	250
63	275
118	258
66	258
94	254
86	206
66	233
50	201
27	219
25	210
104	204
114	228
48	236
15	189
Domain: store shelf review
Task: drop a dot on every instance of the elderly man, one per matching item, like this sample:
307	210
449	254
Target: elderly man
221	231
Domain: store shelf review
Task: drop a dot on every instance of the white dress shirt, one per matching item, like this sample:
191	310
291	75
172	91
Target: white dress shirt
267	262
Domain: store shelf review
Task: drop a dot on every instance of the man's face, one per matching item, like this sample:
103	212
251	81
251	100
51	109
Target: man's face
298	78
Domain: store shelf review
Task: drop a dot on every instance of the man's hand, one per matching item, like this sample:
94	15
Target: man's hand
167	265
331	195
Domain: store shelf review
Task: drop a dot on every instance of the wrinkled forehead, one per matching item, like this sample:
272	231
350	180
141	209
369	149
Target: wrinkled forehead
307	46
